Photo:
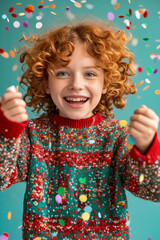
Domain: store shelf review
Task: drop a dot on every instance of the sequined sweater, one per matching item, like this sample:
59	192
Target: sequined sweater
76	173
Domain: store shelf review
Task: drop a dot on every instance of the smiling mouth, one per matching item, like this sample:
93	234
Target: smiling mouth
76	100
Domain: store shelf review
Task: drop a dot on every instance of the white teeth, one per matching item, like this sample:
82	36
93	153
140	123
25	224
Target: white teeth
76	99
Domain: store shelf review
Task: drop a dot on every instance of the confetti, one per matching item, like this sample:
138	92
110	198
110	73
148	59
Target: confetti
141	178
14	68
38	25
1	50
145	88
140	83
67	8
52	6
85	216
123	123
140	69
88	209
134	42
149	70
4	16
37	238
157	91
147	80
11	9
155	71
25	24
61	222
5	55
113	2
58	198
110	16
145	14
145	39
77	4
4	236
61	190
16	24
89	6
83	198
144	25
53	13
9	215
14	15
137	14
117	6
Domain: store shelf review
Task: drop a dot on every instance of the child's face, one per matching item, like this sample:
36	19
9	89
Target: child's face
77	88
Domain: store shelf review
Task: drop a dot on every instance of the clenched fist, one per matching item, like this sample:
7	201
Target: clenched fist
13	107
143	126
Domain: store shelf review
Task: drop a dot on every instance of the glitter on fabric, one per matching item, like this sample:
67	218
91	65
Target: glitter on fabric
76	189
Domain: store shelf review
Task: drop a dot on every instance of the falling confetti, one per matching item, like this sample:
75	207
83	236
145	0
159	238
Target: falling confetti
123	123
110	16
77	4
4	236
157	91
9	215
140	83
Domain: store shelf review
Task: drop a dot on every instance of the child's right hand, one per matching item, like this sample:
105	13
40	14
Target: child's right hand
13	107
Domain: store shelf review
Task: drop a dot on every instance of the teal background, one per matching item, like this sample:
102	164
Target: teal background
145	215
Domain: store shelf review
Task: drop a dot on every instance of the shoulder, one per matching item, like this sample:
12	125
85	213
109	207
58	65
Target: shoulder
113	126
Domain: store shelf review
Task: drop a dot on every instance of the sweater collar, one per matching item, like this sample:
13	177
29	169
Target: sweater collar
72	123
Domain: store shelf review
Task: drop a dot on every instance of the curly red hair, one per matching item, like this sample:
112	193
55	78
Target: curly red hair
54	48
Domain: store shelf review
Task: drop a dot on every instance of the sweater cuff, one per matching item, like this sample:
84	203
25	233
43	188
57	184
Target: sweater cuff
151	156
11	129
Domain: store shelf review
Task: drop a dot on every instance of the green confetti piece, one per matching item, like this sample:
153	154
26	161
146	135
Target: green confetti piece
145	39
61	190
149	70
127	13
82	180
61	222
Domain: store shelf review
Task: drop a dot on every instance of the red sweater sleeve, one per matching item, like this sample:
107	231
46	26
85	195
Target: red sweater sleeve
151	155
10	129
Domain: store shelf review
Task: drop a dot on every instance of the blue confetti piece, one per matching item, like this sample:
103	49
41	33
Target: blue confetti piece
130	140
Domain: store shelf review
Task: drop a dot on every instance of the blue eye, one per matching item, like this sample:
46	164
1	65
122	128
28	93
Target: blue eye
62	74
90	74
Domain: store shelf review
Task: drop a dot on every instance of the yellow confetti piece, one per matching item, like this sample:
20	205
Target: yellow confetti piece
53	13
5	55
9	215
14	68
83	198
17	88
37	238
12	53
77	4
141	178
85	216
129	146
145	88
21	14
157	91
123	123
129	1
140	83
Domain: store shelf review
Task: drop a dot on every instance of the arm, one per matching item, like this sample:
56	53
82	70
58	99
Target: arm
139	172
14	152
14	140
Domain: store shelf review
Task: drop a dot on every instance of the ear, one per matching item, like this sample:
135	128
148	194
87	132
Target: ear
46	88
104	90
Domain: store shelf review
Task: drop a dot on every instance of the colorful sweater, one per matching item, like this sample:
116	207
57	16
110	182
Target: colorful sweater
76	173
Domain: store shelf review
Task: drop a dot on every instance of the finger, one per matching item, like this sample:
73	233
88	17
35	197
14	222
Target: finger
14	111
147	112
138	127
10	95
143	120
13	103
20	117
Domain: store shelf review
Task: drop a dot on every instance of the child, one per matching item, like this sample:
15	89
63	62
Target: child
74	158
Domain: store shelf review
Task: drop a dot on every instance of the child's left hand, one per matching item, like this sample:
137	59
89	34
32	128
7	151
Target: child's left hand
143	126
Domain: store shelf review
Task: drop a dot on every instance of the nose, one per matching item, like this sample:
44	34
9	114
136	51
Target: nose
76	82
